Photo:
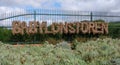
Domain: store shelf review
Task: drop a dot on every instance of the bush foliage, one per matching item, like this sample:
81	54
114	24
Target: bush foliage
99	52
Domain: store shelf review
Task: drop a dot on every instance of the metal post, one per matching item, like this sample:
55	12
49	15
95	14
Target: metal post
91	16
34	15
35	21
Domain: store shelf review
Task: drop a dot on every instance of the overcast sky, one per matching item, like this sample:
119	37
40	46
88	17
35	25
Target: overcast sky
7	6
82	5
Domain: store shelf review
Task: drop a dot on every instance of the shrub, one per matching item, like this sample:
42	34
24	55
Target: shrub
99	52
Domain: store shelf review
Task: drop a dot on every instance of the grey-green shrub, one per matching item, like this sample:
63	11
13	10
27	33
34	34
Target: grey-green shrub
99	52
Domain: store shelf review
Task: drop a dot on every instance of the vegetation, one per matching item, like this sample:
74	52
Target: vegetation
114	29
99	52
5	34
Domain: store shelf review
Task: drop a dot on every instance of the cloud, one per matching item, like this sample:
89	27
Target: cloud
19	3
18	6
29	3
82	5
89	5
6	11
5	23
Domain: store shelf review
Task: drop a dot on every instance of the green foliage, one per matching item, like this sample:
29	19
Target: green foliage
74	45
64	45
99	52
99	20
5	34
45	55
114	29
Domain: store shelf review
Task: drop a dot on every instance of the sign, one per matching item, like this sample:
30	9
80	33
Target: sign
63	28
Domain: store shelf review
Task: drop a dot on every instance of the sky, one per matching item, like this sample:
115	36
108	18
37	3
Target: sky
7	6
81	5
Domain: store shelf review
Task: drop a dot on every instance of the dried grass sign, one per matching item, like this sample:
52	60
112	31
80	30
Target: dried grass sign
63	28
